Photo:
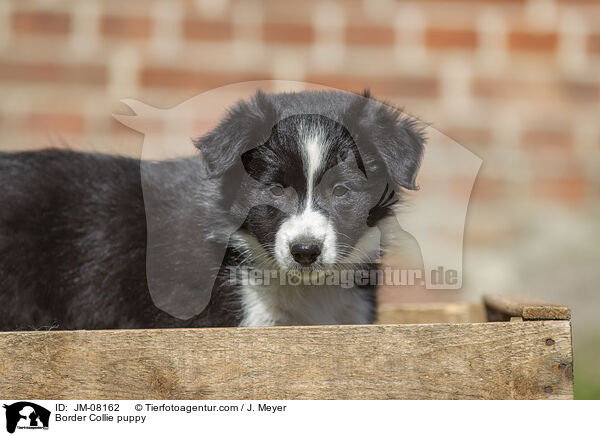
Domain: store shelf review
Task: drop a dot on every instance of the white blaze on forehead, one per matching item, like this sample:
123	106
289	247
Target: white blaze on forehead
314	152
308	224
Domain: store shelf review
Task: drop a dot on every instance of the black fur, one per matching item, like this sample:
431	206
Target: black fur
73	244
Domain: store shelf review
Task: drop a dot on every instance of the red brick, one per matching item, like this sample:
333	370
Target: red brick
277	11
546	138
126	27
370	35
53	72
381	87
515	89
149	124
532	41
196	28
56	123
569	189
41	23
488	88
581	91
470	136
451	38
181	79
290	33
594	43
499	3
485	188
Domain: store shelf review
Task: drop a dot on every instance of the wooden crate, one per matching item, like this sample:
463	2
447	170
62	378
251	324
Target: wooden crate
429	351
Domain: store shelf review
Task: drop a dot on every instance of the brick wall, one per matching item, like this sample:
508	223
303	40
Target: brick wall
521	75
515	81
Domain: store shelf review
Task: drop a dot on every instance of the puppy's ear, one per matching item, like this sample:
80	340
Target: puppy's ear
246	125
397	139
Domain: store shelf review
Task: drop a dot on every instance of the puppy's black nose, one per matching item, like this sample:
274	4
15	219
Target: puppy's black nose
305	253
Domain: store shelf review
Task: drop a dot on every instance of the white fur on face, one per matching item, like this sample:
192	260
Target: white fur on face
309	224
276	304
314	150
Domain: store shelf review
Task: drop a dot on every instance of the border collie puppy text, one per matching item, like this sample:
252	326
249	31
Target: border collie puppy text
296	185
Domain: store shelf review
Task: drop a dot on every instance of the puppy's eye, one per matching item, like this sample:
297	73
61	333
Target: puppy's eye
340	191
276	190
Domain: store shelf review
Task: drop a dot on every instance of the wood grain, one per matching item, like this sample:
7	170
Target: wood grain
429	313
503	307
429	361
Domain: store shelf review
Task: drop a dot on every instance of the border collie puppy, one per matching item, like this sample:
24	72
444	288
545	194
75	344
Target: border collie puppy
292	186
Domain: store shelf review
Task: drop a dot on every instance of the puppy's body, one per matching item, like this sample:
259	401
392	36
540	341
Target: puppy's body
73	245
74	239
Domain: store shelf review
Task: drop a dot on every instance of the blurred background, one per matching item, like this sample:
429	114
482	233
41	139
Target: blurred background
517	82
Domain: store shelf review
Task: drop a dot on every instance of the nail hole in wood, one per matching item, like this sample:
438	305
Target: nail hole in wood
550	342
548	389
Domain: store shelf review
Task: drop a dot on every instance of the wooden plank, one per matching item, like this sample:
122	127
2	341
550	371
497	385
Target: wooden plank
503	307
429	313
429	361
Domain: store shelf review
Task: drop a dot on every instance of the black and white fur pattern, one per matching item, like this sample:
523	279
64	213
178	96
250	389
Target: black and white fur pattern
326	168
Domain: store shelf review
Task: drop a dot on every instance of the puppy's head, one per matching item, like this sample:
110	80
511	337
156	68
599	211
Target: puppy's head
311	174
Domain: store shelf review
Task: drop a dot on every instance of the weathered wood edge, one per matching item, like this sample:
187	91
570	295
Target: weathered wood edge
525	360
503	307
431	313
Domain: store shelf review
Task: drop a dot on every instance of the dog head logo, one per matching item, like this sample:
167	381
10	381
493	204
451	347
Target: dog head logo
323	137
26	415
